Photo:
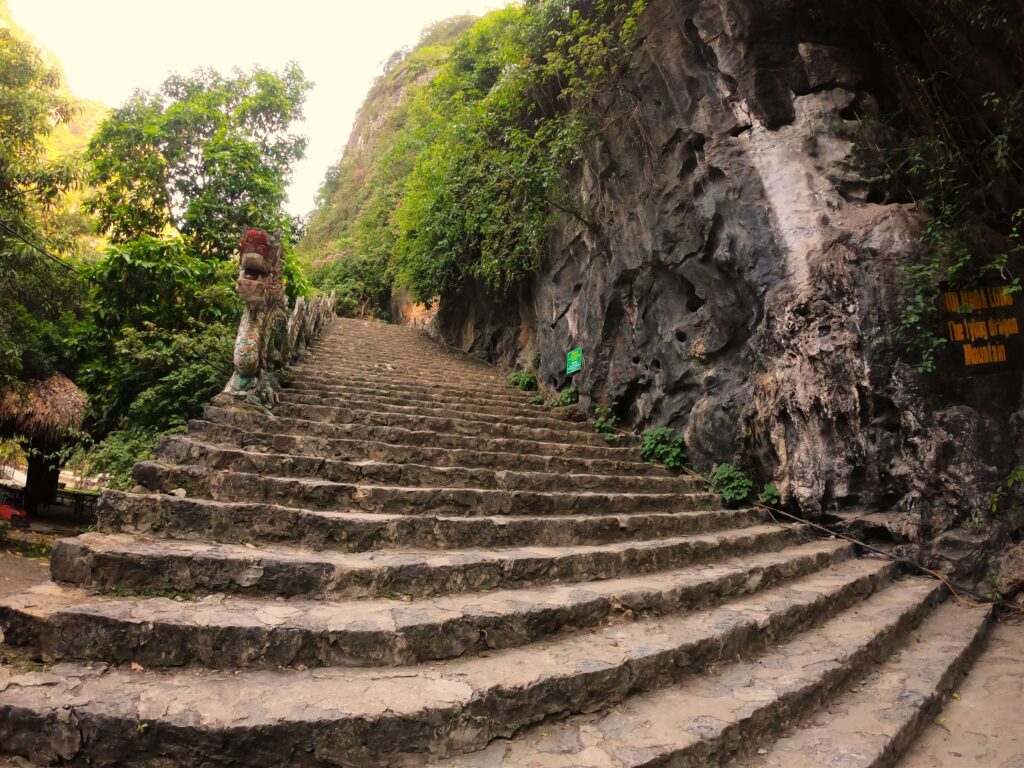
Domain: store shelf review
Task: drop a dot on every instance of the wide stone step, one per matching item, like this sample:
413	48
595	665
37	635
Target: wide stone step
178	449
546	418
146	564
447	399
443	372
873	721
313	493
570	434
424	360
254	421
381	381
413	452
440	373
706	720
416	351
507	397
343	405
221	631
249	523
375	717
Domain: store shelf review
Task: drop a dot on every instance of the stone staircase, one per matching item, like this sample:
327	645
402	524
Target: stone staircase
407	564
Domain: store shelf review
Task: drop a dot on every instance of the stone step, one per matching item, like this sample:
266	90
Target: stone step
248	523
370	717
981	723
430	371
527	416
505	398
705	720
872	723
497	390
222	632
143	564
421	356
507	395
258	422
570	434
179	449
448	399
395	350
313	493
416	453
473	414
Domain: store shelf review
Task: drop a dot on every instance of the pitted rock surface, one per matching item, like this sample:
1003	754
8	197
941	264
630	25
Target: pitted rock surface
740	280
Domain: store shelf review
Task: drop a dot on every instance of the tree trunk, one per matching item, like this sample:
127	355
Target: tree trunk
41	480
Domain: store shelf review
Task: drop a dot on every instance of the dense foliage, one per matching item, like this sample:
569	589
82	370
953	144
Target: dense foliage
206	155
524	380
731	484
159	336
180	174
466	179
664	446
955	74
171	179
38	296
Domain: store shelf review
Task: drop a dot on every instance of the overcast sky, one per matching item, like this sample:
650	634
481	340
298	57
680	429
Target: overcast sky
110	47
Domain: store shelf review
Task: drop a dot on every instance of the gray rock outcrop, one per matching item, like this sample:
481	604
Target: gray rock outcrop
741	279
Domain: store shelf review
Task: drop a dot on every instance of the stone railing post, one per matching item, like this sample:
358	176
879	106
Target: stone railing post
269	337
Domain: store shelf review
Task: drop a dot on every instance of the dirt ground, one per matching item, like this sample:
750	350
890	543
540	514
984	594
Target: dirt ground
18	572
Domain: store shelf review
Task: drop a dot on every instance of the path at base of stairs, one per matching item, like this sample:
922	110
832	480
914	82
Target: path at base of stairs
983	723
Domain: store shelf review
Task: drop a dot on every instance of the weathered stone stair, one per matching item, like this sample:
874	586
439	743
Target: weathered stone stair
407	563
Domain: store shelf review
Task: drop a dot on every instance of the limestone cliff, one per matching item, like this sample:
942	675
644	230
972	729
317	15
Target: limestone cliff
739	275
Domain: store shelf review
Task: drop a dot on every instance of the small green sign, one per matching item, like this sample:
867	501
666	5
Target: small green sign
574	360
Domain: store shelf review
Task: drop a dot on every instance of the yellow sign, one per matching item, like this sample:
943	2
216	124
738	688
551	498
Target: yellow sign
983	329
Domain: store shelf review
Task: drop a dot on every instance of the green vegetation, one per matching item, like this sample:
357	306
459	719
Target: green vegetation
731	484
480	128
164	188
205	155
1008	501
563	399
769	496
180	173
664	446
160	333
38	296
605	422
524	380
961	160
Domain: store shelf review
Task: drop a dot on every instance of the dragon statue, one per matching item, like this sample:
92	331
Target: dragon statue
269	337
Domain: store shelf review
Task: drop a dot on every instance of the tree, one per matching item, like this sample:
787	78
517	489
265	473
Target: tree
38	296
206	155
157	343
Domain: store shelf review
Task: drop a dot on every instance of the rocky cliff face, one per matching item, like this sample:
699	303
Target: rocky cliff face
737	276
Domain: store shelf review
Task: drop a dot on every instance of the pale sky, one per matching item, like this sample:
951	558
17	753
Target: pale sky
110	47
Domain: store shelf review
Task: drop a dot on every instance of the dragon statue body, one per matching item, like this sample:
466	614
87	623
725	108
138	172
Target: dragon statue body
269	336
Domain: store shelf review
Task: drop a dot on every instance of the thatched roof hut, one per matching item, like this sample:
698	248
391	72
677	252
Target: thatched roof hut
46	413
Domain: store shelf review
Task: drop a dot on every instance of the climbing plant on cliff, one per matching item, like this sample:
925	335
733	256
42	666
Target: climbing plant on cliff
507	115
480	160
958	73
